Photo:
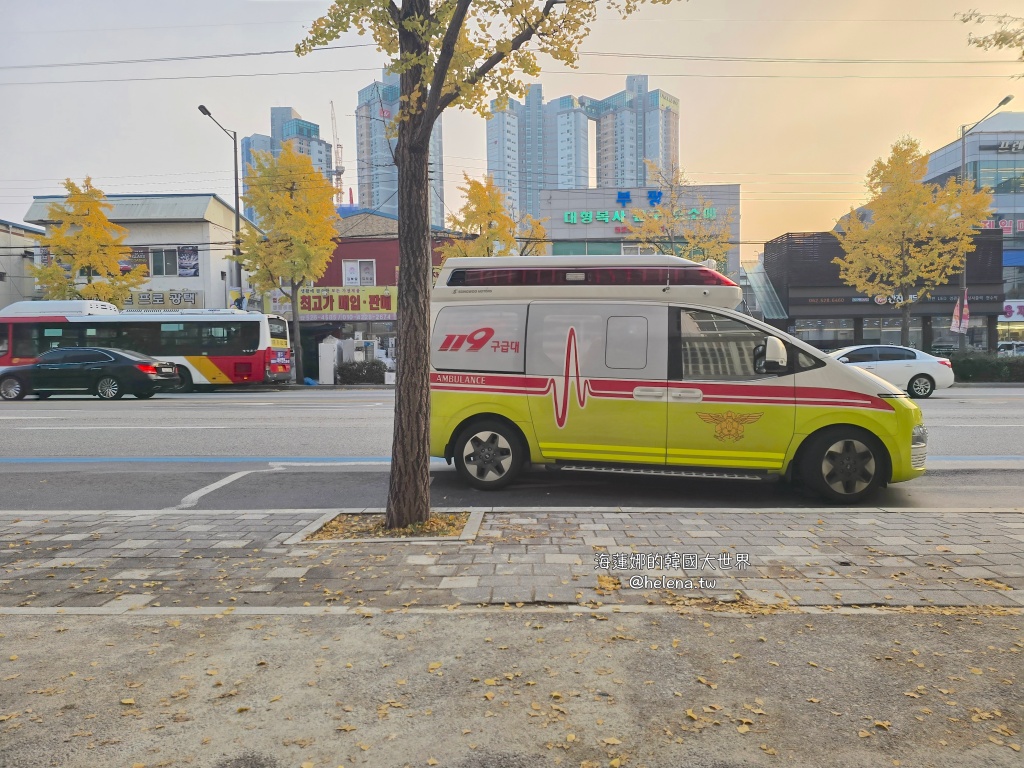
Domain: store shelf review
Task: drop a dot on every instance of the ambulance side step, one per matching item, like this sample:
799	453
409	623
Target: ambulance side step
644	469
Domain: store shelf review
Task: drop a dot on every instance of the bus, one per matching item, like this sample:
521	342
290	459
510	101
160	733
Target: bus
209	347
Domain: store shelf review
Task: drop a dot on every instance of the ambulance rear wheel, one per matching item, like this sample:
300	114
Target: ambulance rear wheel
488	455
845	465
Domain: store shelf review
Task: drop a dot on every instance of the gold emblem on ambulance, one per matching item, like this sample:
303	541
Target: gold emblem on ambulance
729	425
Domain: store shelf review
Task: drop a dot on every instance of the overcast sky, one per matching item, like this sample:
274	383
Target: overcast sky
799	136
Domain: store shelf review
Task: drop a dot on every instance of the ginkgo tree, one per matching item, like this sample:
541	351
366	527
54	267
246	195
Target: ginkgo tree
487	227
1009	31
681	221
910	237
446	53
86	250
294	204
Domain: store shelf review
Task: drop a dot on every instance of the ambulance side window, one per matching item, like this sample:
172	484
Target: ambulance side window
599	340
626	346
481	339
705	346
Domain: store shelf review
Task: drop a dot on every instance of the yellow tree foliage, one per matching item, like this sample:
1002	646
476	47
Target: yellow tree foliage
86	250
532	236
446	53
913	236
1008	34
487	228
295	206
684	222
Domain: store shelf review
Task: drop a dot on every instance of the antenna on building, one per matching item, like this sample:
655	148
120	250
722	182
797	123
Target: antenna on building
339	169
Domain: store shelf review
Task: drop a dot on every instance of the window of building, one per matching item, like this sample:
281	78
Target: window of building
164	262
359	272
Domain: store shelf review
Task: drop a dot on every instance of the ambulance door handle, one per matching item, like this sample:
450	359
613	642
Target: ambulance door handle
648	393
688	395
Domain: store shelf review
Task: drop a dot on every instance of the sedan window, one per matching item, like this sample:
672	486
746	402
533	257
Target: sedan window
862	355
896	353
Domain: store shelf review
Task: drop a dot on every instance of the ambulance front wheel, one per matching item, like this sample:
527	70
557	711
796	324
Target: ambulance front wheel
845	465
488	455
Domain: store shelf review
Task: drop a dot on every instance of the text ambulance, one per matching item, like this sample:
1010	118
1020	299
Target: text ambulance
638	364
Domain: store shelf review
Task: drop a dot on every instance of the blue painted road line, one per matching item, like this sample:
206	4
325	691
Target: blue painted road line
203	459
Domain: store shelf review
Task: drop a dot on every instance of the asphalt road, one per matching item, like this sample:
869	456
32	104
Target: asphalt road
334	424
327	449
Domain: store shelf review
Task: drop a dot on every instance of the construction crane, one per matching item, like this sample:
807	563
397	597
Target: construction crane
339	169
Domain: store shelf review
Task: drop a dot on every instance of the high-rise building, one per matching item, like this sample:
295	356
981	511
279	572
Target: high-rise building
286	125
551	141
375	163
250	144
278	117
634	126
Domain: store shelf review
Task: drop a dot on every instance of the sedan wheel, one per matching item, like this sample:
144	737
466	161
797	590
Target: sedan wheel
921	386
109	388
843	465
488	455
11	388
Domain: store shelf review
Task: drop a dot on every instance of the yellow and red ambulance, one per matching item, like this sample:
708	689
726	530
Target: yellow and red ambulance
638	364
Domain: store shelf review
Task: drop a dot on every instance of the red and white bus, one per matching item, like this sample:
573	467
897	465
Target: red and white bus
209	347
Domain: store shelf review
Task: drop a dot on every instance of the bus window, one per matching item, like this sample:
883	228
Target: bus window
179	339
30	340
231	338
105	335
278	328
3	340
140	337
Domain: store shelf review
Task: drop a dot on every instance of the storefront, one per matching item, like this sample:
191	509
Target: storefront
597	222
993	157
1011	322
825	312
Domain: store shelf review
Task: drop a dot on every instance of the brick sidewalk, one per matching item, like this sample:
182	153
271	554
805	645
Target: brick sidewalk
110	562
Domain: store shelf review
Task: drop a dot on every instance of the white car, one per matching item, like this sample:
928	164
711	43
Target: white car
912	370
1011	348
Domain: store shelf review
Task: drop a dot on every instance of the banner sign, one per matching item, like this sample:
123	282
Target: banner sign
341	304
171	299
188	261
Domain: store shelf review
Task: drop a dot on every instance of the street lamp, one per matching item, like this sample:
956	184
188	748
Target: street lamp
236	250
964	130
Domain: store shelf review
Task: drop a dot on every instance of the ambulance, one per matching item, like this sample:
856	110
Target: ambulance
639	365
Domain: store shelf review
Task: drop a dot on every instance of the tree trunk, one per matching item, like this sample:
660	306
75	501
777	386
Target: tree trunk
300	375
905	322
409	488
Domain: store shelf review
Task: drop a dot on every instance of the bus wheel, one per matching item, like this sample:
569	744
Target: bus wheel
109	388
488	455
11	388
186	380
844	465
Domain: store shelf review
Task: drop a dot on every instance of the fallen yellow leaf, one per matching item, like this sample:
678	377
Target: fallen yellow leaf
433	666
128	702
864	734
570	737
742	728
613	741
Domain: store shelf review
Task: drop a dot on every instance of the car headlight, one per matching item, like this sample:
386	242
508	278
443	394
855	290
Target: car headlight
919	436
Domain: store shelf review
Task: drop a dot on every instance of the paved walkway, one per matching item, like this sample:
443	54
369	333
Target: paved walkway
112	562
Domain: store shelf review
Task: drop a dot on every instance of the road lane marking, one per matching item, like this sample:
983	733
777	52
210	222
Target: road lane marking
193	498
168	426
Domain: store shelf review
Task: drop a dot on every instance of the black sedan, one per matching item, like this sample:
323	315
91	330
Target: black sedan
107	373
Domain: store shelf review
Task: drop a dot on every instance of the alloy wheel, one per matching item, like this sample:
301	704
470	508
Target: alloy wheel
848	467
108	388
487	453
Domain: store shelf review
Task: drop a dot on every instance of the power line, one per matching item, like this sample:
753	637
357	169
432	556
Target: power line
198	57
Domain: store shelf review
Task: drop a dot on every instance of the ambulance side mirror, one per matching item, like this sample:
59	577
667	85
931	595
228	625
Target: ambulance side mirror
776	360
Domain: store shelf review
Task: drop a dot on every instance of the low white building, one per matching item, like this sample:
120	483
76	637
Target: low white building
185	240
17	250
